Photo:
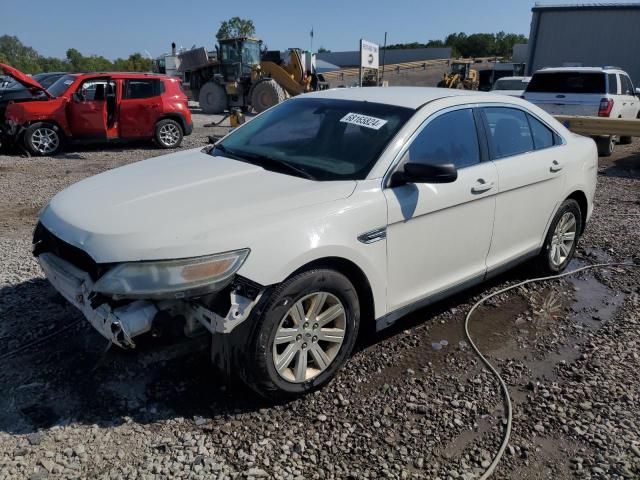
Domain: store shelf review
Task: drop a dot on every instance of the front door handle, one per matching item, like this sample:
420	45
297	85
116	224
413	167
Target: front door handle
481	186
555	167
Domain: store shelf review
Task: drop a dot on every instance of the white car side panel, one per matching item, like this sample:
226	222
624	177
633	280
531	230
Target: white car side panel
438	234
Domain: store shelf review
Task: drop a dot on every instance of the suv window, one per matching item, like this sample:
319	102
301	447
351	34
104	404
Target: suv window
96	90
627	86
543	136
567	82
613	83
509	132
449	138
142	88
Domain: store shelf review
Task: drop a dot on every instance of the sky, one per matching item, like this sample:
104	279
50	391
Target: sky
121	27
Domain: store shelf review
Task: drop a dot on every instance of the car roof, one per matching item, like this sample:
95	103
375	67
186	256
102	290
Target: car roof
125	75
580	69
409	97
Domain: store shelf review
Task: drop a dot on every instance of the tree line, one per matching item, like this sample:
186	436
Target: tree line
475	45
13	52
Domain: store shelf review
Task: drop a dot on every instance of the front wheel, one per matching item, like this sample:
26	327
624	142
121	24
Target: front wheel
304	336
43	139
562	238
168	133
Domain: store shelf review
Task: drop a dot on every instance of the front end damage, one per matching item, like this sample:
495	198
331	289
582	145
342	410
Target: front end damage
73	274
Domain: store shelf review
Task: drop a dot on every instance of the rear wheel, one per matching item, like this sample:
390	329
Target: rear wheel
626	140
605	145
168	133
43	139
265	94
304	335
562	238
213	98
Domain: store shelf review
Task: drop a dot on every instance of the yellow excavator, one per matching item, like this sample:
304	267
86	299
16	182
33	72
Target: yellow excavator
242	76
461	76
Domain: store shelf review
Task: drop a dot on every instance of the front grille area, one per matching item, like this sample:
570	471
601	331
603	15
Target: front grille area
44	241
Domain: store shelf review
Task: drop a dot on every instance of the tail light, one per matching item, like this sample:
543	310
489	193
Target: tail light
606	105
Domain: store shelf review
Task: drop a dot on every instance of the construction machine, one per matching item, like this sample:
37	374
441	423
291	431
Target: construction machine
460	76
242	76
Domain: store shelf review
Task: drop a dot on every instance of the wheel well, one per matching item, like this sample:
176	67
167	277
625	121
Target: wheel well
581	198
359	280
176	117
50	122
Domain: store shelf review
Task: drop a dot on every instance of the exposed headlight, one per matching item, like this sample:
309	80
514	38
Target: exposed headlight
171	278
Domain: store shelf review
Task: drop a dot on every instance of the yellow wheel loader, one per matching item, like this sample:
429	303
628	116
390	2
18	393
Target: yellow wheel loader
242	76
461	76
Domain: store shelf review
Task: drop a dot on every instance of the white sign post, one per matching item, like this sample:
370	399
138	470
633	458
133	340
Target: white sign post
369	56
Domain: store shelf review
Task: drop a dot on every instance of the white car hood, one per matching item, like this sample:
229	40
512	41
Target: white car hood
179	205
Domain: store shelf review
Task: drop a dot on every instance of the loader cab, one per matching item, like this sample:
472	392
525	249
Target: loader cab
461	69
238	57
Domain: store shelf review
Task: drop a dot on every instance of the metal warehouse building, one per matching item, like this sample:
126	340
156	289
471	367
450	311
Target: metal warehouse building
588	35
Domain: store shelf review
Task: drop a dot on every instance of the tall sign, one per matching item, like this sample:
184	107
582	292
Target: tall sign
369	57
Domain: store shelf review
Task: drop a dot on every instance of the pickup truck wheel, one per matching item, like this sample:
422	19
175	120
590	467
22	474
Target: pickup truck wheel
168	133
562	238
304	336
43	139
605	146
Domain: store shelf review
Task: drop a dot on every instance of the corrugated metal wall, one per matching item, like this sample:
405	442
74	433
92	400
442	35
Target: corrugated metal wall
593	37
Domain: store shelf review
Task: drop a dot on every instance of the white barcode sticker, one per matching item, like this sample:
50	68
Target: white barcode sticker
364	121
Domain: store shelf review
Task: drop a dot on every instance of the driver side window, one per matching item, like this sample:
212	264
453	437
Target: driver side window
449	138
95	90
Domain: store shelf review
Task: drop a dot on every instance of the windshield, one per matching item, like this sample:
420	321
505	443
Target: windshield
567	82
61	85
321	139
509	85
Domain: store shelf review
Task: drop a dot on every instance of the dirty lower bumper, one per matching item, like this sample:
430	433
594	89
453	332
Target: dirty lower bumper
118	325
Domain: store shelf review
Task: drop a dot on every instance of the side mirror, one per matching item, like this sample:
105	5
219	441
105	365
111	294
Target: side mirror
425	173
77	97
637	92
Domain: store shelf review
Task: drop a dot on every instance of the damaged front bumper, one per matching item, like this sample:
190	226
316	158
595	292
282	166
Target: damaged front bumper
121	321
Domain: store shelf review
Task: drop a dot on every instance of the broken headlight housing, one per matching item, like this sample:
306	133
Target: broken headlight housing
182	278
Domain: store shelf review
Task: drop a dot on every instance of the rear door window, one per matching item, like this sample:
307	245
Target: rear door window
627	86
508	131
567	82
543	136
142	88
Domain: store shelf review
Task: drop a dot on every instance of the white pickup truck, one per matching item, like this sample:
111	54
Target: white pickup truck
586	91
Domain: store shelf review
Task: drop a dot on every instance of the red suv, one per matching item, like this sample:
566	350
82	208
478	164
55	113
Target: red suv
97	107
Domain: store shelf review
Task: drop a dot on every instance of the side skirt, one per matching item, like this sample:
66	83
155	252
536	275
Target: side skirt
392	317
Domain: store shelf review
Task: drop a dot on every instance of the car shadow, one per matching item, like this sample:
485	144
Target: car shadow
56	369
623	167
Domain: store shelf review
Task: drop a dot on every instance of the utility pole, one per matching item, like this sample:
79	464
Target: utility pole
384	52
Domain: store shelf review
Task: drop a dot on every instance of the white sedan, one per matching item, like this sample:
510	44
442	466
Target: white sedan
329	213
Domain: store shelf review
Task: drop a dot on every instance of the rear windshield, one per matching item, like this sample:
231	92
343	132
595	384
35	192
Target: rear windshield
61	85
567	82
505	84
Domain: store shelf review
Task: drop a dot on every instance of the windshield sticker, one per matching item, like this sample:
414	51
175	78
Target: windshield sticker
363	121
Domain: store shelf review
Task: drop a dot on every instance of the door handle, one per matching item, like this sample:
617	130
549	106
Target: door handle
555	167
481	186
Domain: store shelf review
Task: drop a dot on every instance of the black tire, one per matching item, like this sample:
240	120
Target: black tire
43	139
626	140
265	94
213	98
605	145
442	84
168	133
544	261
254	363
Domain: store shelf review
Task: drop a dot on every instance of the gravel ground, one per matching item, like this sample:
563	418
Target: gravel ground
413	402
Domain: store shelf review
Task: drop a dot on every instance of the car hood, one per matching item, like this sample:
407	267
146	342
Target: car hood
22	78
179	205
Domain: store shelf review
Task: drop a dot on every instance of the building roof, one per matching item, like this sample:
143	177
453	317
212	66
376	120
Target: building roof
400	55
586	6
409	97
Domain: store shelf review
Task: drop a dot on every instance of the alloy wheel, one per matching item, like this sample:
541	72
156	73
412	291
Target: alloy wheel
563	239
309	337
169	134
45	140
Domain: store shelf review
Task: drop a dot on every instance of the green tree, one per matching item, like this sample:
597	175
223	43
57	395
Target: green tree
323	50
18	55
236	27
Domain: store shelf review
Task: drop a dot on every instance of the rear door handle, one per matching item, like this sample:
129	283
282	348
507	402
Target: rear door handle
481	186
555	167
